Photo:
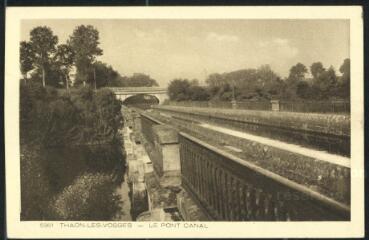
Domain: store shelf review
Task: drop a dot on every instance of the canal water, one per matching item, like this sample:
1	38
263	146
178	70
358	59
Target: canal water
321	155
321	142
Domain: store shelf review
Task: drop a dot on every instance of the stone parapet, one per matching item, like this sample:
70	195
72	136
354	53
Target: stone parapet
333	124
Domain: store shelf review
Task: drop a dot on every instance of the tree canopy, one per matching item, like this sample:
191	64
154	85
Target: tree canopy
52	64
26	58
264	84
43	43
85	44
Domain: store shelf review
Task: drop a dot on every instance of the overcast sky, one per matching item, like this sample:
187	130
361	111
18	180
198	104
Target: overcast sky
168	49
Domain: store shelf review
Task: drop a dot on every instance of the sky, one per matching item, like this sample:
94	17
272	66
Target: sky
193	49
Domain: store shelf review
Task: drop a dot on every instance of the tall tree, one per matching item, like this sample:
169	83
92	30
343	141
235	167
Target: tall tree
215	80
316	69
64	58
43	43
85	43
326	83
297	73
178	90
345	70
26	58
104	74
345	78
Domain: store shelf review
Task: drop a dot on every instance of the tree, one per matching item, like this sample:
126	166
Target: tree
345	79
316	69
104	74
297	73
43	43
345	70
326	83
215	80
64	58
53	75
304	90
141	80
178	90
198	93
26	58
84	43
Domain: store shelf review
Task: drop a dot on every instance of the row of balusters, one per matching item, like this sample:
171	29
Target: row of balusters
224	195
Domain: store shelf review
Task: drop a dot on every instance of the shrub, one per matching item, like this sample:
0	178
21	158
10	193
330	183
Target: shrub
90	197
35	189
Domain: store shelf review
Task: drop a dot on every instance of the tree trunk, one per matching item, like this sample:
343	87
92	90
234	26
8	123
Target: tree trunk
66	82
43	77
25	78
95	77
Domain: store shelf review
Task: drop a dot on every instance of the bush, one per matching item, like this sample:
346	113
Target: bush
35	188
90	197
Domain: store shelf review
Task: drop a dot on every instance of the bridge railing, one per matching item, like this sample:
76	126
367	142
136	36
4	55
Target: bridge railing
232	189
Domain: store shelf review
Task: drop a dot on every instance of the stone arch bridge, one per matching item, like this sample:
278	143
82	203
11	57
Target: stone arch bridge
123	93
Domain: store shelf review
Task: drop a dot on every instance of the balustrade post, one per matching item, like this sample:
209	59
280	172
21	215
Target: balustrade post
167	165
275	105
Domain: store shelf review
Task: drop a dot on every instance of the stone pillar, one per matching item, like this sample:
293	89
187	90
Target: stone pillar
234	104
167	160
275	105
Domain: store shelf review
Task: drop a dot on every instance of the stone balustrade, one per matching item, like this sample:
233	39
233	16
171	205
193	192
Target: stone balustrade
232	189
332	124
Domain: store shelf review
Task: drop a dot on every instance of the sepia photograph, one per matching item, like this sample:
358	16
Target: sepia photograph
184	122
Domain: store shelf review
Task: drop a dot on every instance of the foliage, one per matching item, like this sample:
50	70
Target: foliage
247	83
81	117
264	84
56	130
26	58
90	197
136	80
198	93
316	69
326	83
64	59
34	185
178	90
344	84
51	64
297	73
304	90
43	42
84	43
104	74
141	80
